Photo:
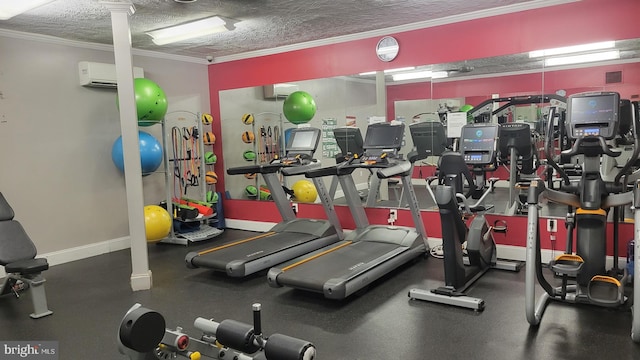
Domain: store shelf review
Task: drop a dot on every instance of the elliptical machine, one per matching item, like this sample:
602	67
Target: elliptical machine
593	118
478	144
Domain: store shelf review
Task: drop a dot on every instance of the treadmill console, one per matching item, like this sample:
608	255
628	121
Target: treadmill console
478	143
383	136
349	140
302	141
594	115
429	138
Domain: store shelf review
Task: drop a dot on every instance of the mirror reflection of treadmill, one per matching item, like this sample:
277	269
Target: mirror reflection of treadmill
289	238
350	142
370	251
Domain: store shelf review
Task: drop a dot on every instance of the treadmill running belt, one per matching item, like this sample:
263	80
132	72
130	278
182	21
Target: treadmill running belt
342	263
251	250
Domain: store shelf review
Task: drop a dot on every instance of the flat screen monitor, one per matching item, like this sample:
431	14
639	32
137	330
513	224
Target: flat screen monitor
303	140
594	114
429	137
384	136
349	140
478	138
517	136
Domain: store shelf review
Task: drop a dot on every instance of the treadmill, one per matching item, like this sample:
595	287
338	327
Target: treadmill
289	238
349	140
370	251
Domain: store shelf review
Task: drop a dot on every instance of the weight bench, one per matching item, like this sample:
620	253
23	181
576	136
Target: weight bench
18	256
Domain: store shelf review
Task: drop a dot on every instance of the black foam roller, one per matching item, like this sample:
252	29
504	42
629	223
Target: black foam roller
142	330
283	347
236	335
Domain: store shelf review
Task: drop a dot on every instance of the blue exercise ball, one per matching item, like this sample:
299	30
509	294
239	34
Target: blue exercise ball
150	153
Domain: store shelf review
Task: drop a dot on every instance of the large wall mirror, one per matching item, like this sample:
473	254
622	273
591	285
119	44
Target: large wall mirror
356	99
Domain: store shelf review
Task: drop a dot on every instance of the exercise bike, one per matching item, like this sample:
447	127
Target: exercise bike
477	150
593	119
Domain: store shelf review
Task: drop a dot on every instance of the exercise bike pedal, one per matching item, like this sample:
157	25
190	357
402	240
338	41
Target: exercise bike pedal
605	291
15	287
567	264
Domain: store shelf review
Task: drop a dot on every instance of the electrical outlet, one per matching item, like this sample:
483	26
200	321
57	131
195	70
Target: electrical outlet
552	225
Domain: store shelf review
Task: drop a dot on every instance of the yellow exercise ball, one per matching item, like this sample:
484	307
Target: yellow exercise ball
304	191
157	223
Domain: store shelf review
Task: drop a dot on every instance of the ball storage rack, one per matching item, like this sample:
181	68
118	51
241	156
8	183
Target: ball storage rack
188	126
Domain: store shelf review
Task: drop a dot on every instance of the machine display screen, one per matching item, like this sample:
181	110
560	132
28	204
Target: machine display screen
593	109
594	114
384	136
304	140
478	138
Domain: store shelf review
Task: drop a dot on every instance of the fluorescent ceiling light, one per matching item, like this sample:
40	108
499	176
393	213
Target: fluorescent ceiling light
439	75
11	8
412	75
576	59
399	69
194	29
388	71
573	49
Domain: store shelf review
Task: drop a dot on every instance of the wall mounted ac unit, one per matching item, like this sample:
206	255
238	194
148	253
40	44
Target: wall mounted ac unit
277	91
101	75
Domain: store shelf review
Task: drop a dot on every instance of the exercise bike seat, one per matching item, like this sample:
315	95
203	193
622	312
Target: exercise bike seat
29	266
452	163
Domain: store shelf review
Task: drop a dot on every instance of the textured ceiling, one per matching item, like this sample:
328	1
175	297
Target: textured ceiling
260	24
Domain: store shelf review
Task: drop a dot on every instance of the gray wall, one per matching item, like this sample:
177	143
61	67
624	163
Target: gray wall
56	139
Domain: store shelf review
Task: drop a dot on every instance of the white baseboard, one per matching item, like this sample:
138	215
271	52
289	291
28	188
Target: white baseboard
248	225
518	253
83	252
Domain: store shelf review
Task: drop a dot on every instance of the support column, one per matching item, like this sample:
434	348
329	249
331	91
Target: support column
120	14
381	107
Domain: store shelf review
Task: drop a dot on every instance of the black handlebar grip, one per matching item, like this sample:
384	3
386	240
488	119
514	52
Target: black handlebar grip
237	335
283	347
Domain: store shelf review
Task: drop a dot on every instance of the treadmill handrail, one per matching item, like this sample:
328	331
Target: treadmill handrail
326	171
268	168
400	169
299	169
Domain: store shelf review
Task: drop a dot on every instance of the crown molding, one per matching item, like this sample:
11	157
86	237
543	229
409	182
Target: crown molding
96	46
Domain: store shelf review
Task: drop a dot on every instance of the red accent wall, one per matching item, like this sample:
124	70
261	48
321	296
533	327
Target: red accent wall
559	25
568	24
516	234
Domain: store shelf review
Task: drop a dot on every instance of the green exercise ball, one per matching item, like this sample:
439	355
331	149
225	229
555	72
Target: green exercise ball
299	107
151	102
466	108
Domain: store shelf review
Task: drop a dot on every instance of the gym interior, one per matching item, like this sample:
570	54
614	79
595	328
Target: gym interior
234	144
